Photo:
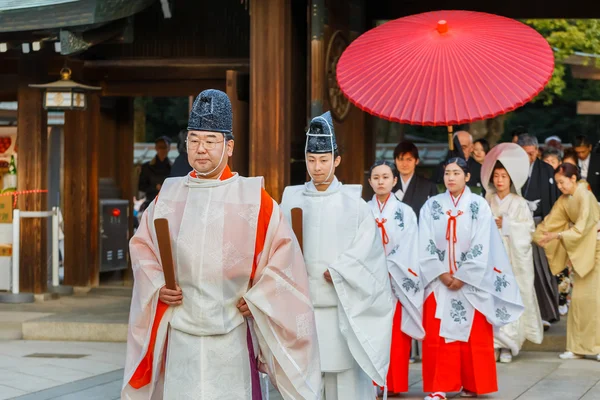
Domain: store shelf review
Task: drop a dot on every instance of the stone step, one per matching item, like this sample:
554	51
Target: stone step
11	331
74	331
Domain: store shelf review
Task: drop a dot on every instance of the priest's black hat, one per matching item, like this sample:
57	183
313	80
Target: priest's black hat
321	135
211	112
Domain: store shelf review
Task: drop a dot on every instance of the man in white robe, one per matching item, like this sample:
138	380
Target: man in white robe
242	298
348	276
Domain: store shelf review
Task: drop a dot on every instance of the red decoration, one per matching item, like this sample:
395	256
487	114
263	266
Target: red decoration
445	68
116	212
5	142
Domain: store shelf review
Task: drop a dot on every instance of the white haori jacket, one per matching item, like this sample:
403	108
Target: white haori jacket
339	234
460	236
399	233
213	228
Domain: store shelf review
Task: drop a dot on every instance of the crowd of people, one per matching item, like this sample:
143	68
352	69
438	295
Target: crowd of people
329	305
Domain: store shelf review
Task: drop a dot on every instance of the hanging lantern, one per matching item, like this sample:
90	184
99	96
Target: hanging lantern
65	94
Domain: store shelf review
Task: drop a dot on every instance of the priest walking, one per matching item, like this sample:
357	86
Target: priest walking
242	301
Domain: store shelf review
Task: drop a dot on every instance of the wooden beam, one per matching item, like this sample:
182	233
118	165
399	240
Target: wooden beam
162	69
585	72
32	138
588	108
161	88
270	93
235	82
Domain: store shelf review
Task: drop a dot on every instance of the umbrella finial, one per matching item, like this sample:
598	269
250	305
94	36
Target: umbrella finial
442	26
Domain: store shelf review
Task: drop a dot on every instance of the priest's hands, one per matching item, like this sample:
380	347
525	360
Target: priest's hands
243	307
327	277
451	282
170	297
547	238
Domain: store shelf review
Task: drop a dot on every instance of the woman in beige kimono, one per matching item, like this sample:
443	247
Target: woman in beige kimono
570	233
503	173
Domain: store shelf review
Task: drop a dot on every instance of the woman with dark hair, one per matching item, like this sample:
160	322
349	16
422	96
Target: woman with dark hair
469	289
570	156
480	148
398	229
503	174
570	233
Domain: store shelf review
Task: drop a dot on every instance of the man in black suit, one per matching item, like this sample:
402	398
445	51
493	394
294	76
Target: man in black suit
589	163
541	192
411	188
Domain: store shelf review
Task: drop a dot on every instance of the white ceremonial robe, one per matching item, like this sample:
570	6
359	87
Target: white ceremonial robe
402	234
517	230
463	239
213	228
354	315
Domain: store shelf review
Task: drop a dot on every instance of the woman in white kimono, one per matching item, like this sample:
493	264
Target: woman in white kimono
503	173
469	289
398	227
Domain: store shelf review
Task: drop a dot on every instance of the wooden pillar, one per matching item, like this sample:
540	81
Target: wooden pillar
317	57
270	92
237	90
124	148
81	142
32	138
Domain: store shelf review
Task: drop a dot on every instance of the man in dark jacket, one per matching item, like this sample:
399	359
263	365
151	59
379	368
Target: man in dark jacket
589	163
155	171
411	188
541	192
181	166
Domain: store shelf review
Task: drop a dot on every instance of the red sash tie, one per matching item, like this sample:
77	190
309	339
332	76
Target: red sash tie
384	235
451	238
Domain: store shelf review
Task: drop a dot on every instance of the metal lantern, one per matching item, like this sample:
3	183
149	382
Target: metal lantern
65	94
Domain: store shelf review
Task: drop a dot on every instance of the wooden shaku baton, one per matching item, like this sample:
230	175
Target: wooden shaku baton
161	225
297	224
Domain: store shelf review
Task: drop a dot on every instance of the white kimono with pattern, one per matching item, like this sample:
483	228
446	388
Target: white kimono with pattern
354	315
463	239
517	230
402	236
213	233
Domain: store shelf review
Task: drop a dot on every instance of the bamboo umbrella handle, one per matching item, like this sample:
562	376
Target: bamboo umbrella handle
297	225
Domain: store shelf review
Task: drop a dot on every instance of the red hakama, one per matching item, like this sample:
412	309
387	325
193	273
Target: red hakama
450	367
397	378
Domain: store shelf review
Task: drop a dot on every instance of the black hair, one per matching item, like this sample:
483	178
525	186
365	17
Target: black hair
581	141
552	151
484	143
569	170
406	147
384	162
570	153
518	131
460	162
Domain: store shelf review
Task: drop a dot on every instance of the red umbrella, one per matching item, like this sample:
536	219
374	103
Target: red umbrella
445	68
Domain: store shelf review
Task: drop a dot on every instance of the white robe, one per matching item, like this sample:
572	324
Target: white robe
213	226
402	234
463	239
354	315
517	230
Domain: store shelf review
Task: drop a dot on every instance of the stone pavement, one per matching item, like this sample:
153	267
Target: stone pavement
44	370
